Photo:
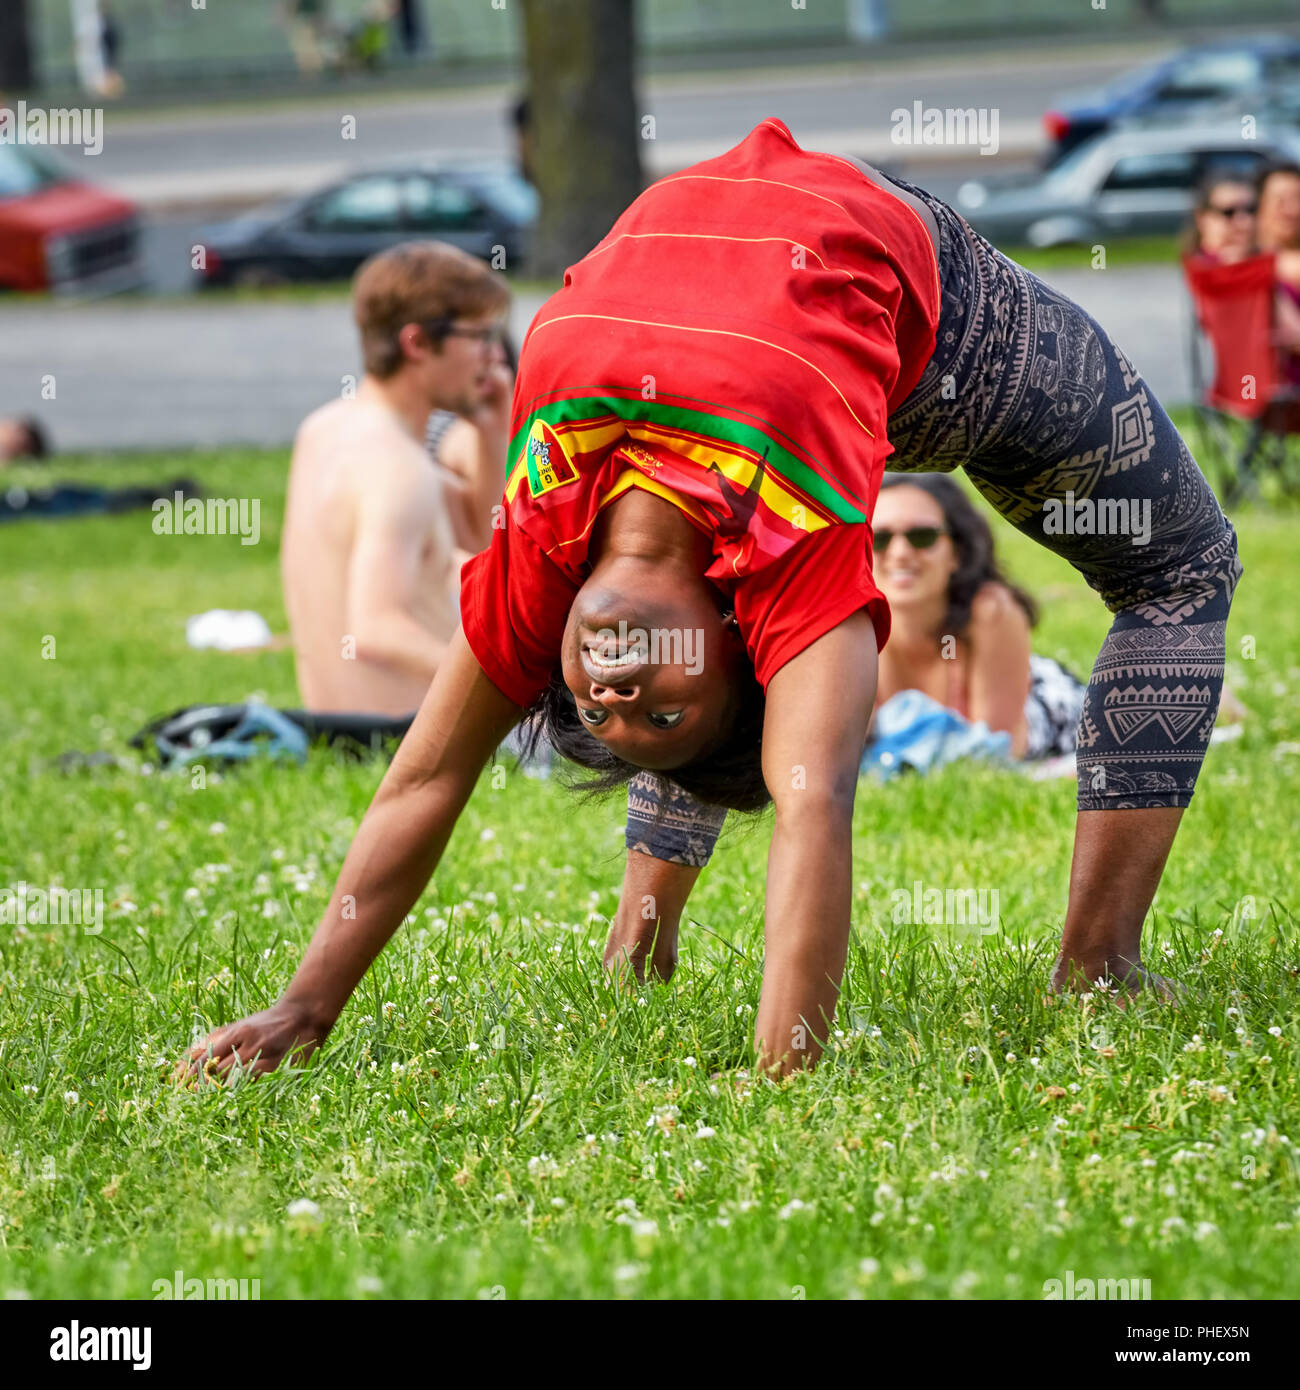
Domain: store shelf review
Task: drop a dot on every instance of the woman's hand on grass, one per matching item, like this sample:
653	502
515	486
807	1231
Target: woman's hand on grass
258	1043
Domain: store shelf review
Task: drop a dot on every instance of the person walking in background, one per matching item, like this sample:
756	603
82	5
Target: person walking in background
306	22
410	23
97	42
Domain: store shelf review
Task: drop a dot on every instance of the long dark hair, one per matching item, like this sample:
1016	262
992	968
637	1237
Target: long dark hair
977	562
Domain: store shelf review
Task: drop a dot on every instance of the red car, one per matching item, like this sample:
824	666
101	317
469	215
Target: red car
58	233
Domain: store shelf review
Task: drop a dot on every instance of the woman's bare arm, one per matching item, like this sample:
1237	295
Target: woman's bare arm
649	913
398	846
818	706
998	638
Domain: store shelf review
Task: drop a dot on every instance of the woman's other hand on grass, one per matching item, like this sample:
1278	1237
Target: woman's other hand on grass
258	1043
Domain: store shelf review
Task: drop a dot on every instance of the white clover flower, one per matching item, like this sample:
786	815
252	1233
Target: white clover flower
1205	1229
270	908
1275	1031
706	1132
795	1204
869	1267
71	1097
369	1283
304	1209
217	828
689	1062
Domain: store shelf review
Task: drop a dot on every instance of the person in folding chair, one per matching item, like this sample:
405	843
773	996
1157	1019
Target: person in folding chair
1245	289
681	583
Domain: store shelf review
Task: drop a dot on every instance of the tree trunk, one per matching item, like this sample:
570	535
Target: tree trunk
17	70
584	137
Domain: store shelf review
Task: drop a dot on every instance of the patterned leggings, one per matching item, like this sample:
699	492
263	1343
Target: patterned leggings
1059	433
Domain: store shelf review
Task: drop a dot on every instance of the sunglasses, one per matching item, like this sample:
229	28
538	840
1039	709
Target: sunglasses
1237	210
918	537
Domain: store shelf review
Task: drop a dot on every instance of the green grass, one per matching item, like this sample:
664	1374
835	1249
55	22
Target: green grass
491	1118
1120	251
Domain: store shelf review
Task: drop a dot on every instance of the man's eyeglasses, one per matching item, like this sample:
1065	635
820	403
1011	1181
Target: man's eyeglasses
918	537
1236	210
447	328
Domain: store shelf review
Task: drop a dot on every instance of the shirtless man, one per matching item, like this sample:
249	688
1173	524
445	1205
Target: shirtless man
374	533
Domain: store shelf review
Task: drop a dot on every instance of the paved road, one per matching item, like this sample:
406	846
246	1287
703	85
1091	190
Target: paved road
173	375
237	155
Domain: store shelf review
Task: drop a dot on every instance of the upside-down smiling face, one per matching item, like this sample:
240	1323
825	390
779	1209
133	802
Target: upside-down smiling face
651	666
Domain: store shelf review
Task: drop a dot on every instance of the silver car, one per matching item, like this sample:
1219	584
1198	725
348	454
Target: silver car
1130	182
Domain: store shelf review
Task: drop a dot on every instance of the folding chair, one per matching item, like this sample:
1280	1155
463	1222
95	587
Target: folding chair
1234	310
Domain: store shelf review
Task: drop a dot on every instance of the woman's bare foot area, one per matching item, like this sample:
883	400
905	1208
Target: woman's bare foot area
1117	975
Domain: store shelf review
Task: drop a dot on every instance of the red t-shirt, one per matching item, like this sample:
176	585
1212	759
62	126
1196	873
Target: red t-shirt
736	344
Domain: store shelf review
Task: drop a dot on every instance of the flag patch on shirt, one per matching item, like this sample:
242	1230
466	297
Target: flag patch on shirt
548	465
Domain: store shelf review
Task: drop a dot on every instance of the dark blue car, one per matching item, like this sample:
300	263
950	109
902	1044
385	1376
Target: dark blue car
1174	87
484	208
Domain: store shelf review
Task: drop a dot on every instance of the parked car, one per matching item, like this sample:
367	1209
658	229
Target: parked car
326	235
60	233
1175	87
1132	182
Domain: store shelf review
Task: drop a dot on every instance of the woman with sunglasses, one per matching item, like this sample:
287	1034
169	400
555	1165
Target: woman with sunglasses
681	577
1222	226
1234	219
961	629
